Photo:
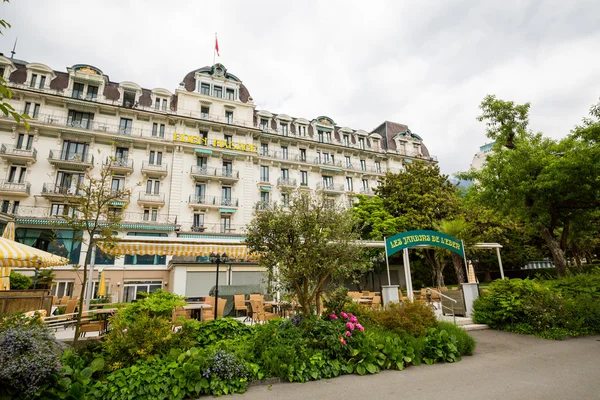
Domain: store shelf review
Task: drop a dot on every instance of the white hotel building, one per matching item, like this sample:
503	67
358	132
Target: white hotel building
199	161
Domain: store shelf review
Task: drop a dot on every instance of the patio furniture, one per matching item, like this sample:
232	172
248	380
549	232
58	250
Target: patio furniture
376	302
178	314
258	312
96	326
64	300
240	304
197	310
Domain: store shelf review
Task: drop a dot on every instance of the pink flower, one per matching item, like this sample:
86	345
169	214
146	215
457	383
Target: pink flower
344	315
348	333
333	316
342	340
360	327
350	325
353	319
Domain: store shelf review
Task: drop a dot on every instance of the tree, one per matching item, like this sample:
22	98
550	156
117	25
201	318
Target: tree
460	229
93	210
19	281
306	245
546	183
505	121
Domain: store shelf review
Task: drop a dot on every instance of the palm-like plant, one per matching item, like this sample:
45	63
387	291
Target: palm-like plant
460	229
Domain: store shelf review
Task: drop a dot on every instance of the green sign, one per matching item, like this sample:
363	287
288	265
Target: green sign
405	240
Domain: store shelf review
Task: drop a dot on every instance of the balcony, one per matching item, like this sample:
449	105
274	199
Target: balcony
264	206
330	188
204	202
159	170
286	183
202	173
70	160
13	153
119	165
367	192
227	175
151	199
21	189
217	228
55	192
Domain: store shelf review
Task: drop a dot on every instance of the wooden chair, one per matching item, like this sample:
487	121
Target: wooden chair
95	326
355	295
259	313
239	303
74	297
177	314
208	314
376	302
366	293
54	300
220	307
64	300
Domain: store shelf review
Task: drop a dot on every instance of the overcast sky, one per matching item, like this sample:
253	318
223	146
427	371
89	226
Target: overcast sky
427	64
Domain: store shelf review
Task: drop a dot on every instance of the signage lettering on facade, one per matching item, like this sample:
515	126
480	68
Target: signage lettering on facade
418	238
223	144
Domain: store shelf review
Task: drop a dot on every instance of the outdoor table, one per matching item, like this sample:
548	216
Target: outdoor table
103	314
196	309
364	301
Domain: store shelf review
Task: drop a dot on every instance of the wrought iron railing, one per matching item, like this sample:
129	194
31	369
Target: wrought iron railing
9	149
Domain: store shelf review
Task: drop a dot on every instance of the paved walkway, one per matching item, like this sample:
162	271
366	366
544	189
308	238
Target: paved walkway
505	366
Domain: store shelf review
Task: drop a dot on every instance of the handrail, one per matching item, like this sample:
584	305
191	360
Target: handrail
449	298
443	295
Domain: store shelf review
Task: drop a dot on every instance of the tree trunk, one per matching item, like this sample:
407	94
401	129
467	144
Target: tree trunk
440	273
86	261
558	256
457	261
577	260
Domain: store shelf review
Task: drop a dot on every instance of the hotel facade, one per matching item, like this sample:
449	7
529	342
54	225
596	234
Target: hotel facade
199	161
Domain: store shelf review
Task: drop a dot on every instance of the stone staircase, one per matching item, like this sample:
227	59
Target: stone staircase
464	322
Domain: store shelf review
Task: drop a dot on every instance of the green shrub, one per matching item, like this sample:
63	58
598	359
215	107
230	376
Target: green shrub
439	346
211	332
336	300
19	281
157	304
404	318
464	342
142	339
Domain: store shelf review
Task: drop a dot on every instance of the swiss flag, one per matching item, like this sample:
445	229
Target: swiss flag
217	46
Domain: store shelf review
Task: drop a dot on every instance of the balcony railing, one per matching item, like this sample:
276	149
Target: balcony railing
200	171
227	173
151	197
60	190
217	228
367	191
330	187
15	187
119	163
286	182
14	151
213	201
77	158
264	205
159	169
329	162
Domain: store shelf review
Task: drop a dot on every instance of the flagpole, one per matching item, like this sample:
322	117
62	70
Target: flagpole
215	49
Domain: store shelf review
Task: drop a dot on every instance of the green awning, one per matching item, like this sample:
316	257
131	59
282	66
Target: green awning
408	160
147	227
205	151
227	210
117	203
266	188
122	139
229	153
331	169
80	103
75	132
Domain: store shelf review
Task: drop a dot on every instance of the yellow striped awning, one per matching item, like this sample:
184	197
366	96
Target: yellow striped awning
175	248
15	254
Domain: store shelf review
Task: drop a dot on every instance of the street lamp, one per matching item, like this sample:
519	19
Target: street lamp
217	259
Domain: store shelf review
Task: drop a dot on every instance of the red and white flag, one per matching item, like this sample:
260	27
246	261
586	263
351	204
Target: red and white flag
217	45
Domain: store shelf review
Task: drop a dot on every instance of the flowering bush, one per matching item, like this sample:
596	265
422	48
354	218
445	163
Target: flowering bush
29	354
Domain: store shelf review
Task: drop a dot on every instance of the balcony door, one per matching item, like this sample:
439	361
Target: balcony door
67	182
226	196
200	192
74	150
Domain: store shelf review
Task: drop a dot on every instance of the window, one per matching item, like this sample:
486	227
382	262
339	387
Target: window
264	173
62	288
155	158
68	182
77	90
198	225
92	93
201	162
125	126
205	89
158	130
32	111
327	181
284	129
128	99
365	184
284	152
302	154
78	119
132	289
285	199
361	143
264	197
203	135
217	91
16	207
346	140
42	81
302	130
229	117
17	174
33	80
5	206
304	178
320	136
61	210
285	174
62	242
363	165
204	111
24	141
225	223
152	184
2	69
348	162
150	214
227	168
230	94
349	185
200	192
264	124
327	137
121	155
226	195
74	150
103	259
228	139
117	184
264	149
157	104
377	166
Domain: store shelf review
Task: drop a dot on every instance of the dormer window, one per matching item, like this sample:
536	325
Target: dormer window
284	129
230	94
327	137
92	92
346	140
128	99
361	143
160	104
264	124
218	91
2	70
320	136
33	80
77	90
302	130
205	89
